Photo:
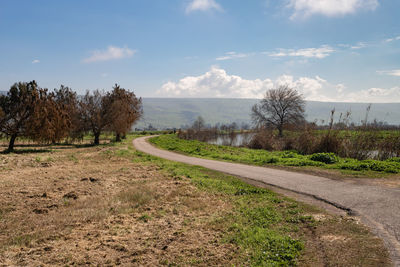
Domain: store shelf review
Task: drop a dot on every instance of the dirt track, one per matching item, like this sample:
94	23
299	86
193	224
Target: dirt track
377	206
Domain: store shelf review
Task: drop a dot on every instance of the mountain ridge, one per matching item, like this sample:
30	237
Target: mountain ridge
164	113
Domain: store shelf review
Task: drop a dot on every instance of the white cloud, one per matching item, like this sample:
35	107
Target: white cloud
35	61
232	55
202	5
217	83
320	52
392	39
375	95
389	72
111	53
359	45
330	8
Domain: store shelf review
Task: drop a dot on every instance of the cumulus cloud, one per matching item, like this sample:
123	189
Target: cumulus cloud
330	8
321	52
203	5
111	53
377	95
35	61
218	83
389	72
232	55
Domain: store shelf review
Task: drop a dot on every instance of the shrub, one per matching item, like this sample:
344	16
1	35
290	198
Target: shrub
288	155
263	140
328	158
395	159
271	160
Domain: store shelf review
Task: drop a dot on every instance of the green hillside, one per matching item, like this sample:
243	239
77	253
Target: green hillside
176	112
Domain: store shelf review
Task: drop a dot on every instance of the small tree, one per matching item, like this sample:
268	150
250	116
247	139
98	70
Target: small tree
198	124
94	111
53	117
17	107
125	110
279	107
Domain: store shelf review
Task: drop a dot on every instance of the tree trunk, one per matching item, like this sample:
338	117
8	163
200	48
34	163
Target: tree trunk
11	144
118	137
280	131
97	139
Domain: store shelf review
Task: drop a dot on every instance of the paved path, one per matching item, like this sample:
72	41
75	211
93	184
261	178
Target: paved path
378	207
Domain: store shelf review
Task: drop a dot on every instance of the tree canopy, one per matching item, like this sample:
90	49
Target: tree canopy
279	107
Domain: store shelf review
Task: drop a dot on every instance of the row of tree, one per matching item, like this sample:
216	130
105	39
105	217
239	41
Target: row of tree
52	116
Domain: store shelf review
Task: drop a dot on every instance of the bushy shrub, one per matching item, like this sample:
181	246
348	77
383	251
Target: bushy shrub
306	142
371	165
288	154
271	160
263	140
328	158
395	159
329	143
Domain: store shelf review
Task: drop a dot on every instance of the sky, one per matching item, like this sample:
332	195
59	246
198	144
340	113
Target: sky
328	50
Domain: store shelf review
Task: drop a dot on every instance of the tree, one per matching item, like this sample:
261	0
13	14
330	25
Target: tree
198	124
279	107
17	107
125	110
53	117
94	110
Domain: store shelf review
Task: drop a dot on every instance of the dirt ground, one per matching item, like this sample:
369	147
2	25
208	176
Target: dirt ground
84	207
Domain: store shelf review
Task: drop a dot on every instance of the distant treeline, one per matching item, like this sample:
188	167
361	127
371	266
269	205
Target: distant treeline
53	116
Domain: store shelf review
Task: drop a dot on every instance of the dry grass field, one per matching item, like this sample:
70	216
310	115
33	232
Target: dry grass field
109	205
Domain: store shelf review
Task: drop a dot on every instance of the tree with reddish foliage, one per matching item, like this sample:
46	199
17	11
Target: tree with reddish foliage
53	116
125	110
18	108
278	108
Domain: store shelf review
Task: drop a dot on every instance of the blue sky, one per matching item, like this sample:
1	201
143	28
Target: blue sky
329	50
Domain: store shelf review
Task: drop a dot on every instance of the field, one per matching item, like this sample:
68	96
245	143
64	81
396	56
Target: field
325	162
111	205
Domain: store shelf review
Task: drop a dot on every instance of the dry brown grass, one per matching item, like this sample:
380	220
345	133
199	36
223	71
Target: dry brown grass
86	207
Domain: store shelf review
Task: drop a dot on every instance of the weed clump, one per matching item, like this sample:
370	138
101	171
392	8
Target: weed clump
327	158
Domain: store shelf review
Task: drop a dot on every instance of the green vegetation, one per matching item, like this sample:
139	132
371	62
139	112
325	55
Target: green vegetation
261	223
278	158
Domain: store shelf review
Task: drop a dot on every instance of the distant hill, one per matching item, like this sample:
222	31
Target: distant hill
164	113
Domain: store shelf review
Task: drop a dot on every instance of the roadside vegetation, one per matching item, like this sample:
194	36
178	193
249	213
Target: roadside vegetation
289	158
112	205
283	137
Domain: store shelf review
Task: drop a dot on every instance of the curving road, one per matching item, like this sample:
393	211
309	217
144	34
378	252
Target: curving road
378	207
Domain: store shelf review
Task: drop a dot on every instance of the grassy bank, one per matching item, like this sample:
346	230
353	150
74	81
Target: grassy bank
368	168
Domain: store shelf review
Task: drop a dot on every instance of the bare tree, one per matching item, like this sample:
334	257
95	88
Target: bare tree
17	107
94	111
198	124
279	107
125	110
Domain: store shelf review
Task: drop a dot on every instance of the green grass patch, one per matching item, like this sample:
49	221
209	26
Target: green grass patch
262	222
368	168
